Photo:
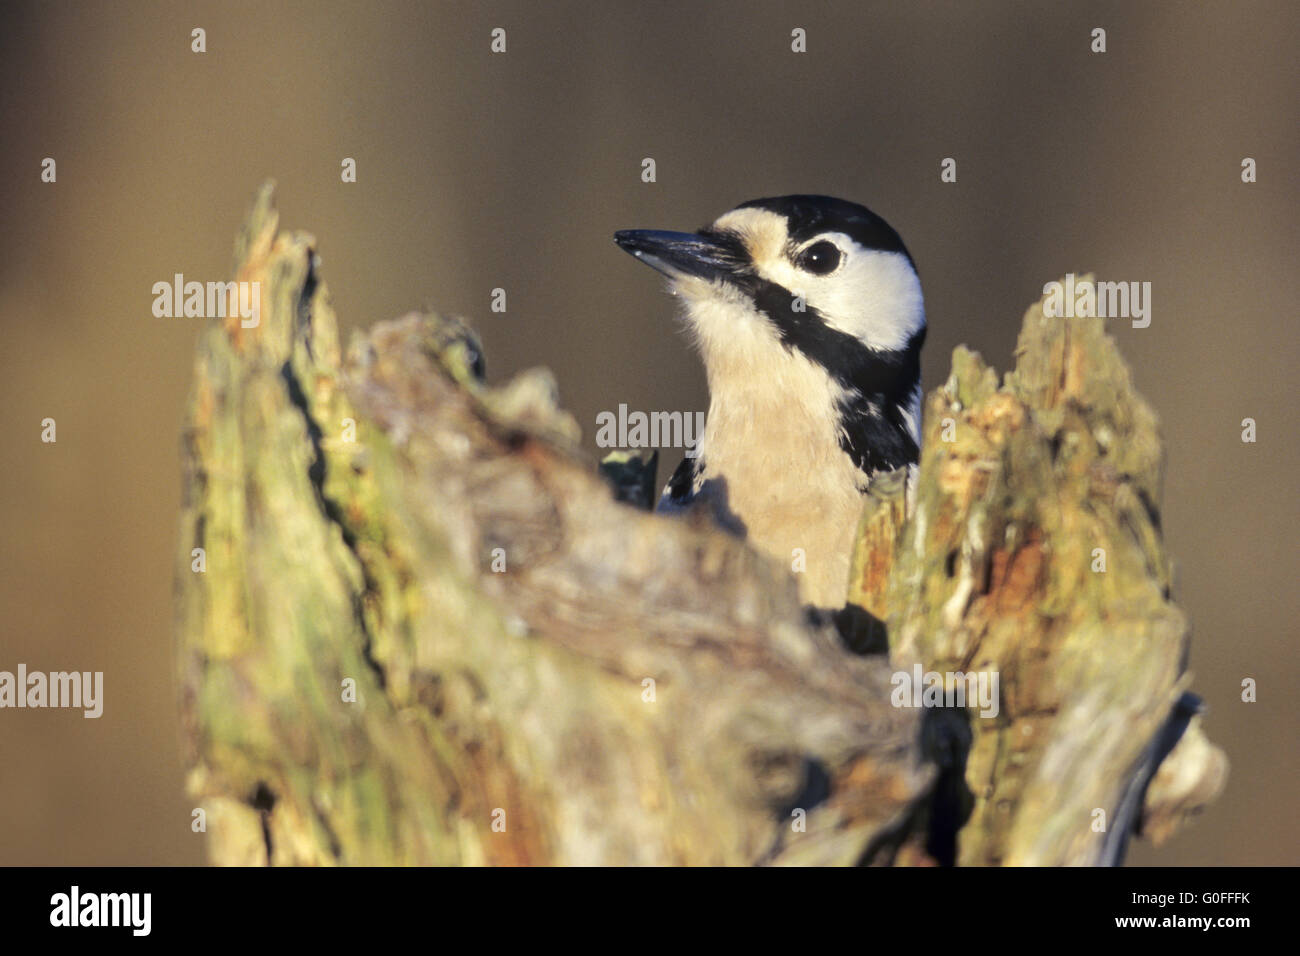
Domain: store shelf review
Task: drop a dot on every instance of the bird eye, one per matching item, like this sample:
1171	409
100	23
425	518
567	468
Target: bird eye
821	258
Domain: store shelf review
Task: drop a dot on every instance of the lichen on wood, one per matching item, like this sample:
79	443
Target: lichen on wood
1035	553
427	633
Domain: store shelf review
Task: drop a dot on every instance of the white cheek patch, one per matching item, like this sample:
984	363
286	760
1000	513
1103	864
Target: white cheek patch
873	296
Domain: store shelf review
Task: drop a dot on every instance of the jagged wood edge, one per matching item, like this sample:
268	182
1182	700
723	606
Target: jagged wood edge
515	697
1018	484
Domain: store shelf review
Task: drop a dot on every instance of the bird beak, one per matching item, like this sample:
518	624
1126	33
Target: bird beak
678	254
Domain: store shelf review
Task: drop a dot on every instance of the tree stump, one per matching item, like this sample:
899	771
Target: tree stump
421	629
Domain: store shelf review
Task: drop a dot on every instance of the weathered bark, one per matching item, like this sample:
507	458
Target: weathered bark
545	675
1035	552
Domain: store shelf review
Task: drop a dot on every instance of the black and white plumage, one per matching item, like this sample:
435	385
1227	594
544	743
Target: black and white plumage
808	314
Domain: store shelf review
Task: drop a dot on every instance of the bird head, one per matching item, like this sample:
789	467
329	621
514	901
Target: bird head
810	299
798	267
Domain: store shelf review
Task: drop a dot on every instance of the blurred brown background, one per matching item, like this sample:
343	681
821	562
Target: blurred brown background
479	170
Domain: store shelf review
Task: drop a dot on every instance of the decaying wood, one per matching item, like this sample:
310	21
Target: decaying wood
1035	553
425	632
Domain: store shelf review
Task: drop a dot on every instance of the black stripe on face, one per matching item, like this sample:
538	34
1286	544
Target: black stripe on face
874	440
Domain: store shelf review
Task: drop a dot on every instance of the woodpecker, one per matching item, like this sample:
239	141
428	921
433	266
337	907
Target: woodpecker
808	315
